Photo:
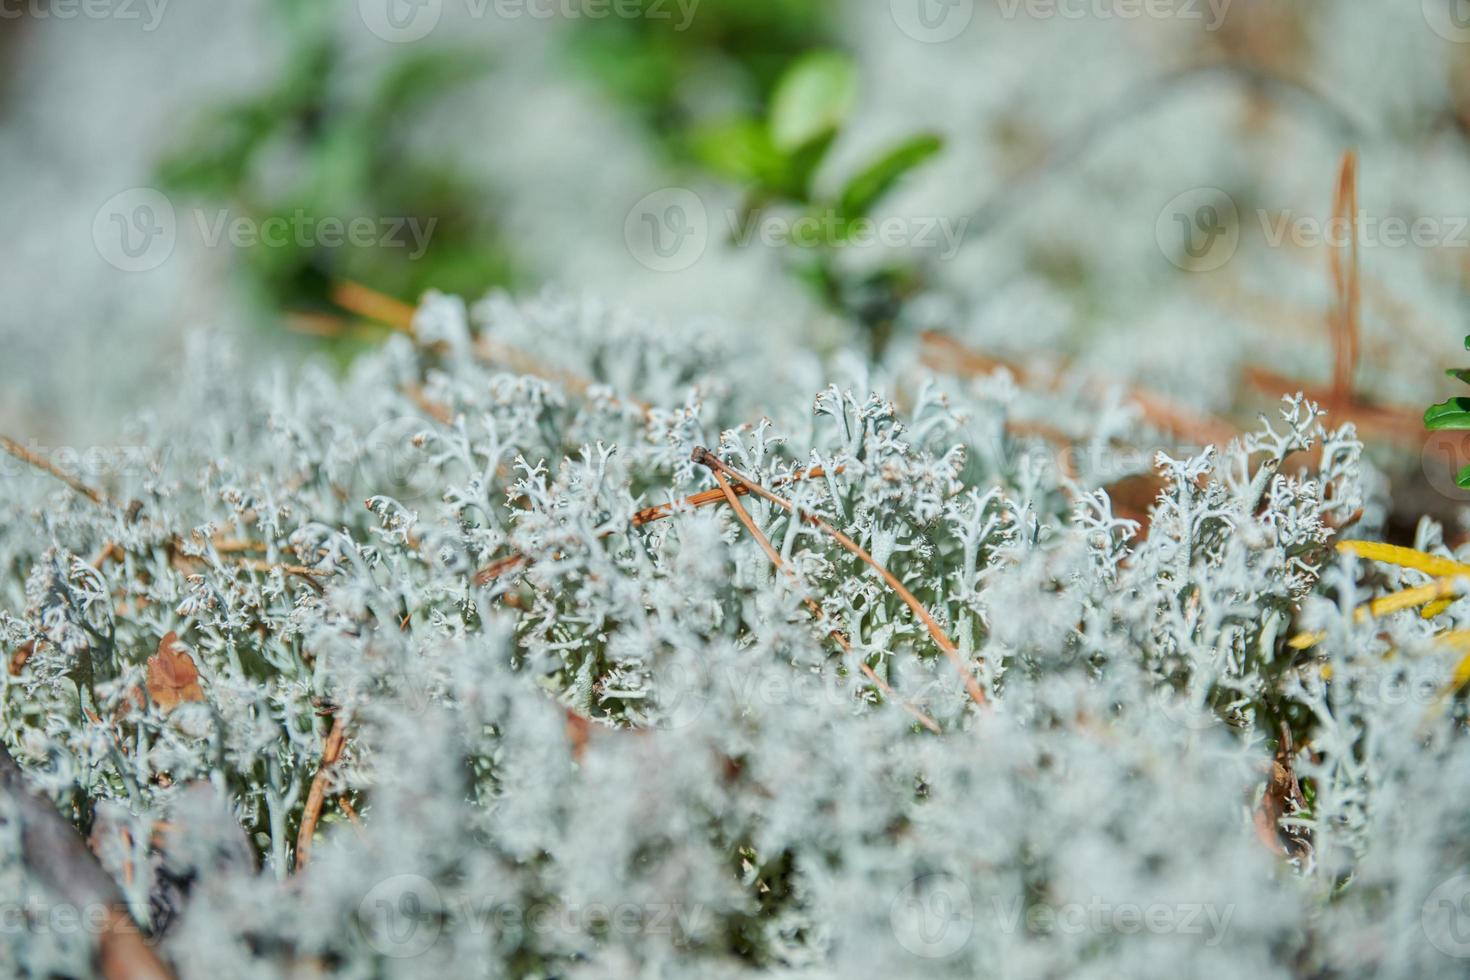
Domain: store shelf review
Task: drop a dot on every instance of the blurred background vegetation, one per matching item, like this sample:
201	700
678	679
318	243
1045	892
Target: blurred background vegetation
340	137
1055	145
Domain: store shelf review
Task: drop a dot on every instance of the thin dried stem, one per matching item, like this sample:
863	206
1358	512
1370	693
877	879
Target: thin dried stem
345	805
260	565
498	567
903	703
46	466
51	847
648	515
941	639
373	305
1346	288
943	353
317	795
818	613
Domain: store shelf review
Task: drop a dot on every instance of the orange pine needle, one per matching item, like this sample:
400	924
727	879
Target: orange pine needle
373	305
1347	289
945	644
730	495
46	466
317	795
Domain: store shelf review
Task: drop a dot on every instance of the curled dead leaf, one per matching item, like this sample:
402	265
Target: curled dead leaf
172	676
22	654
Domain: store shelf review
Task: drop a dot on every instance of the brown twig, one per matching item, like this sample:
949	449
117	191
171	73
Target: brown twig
946	645
54	851
944	353
316	796
498	567
1282	797
345	805
111	549
579	732
648	515
26	456
1390	421
260	565
373	305
728	491
1346	288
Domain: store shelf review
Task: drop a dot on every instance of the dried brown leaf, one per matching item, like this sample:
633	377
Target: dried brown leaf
172	676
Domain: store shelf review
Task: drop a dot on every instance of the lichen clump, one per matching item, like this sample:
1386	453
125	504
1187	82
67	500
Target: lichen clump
539	724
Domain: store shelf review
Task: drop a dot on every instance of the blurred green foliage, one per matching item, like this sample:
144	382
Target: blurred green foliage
729	55
776	158
319	144
747	91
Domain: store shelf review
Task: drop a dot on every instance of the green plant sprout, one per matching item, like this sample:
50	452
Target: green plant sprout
778	158
1453	413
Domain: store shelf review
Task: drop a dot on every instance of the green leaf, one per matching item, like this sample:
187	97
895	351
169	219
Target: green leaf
422	76
1451	414
1462	478
878	178
812	100
741	149
1460	374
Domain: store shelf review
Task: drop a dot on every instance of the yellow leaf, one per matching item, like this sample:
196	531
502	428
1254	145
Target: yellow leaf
1305	641
1435	608
1392	554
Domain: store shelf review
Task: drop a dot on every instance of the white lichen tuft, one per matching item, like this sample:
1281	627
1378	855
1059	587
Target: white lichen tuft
583	740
